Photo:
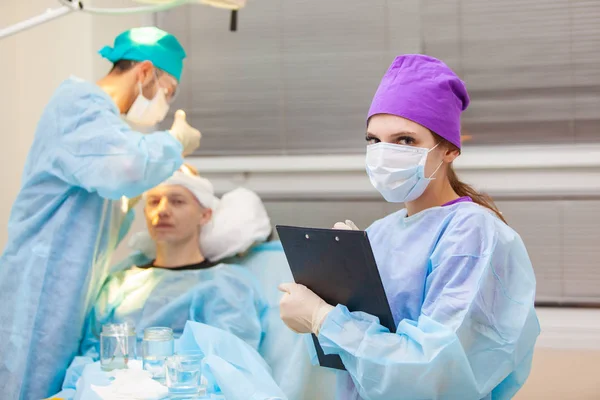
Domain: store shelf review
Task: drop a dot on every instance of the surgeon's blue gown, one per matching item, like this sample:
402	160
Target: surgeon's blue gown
461	288
64	225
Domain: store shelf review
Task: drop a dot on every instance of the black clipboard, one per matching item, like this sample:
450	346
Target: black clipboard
339	266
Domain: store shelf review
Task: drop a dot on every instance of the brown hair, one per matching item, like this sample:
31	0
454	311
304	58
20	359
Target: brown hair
122	66
462	189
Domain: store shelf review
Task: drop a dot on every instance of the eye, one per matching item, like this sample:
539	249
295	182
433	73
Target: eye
153	202
177	202
406	140
371	139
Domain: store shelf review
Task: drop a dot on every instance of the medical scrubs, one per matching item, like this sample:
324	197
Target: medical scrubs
64	225
461	289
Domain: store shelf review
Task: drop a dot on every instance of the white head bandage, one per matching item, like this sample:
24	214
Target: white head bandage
200	187
239	220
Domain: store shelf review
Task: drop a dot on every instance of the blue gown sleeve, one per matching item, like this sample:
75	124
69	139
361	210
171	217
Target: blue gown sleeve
475	333
233	304
99	152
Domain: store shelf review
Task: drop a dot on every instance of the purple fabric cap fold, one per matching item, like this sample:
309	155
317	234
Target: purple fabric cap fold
424	90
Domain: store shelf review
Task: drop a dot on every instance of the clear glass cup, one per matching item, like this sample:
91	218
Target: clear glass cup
184	375
117	346
158	344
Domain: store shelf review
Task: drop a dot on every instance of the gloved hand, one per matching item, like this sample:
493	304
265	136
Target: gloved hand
131	203
301	309
346	226
185	134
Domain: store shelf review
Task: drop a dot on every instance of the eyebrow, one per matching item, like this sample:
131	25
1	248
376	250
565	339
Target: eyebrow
177	196
170	196
397	134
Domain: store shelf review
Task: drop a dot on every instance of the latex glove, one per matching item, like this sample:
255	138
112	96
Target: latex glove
131	203
346	226
186	135
301	309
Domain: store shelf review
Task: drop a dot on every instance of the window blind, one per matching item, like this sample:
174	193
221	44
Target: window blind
298	76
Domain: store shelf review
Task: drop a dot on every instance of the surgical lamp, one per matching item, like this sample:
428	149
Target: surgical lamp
69	6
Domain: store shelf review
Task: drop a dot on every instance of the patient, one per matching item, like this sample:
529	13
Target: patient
177	275
182	282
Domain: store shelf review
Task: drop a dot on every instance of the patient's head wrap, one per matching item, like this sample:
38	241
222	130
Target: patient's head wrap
424	90
200	187
239	220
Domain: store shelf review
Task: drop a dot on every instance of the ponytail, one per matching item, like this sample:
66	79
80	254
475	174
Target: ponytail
462	189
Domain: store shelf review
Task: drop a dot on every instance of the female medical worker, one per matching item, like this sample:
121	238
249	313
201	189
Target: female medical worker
65	222
458	279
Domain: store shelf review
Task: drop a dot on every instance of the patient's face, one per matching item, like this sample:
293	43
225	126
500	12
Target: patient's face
173	214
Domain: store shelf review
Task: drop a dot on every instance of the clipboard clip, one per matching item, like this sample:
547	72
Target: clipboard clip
307	237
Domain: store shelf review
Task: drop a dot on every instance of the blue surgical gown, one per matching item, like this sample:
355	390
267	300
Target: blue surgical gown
64	225
461	289
223	296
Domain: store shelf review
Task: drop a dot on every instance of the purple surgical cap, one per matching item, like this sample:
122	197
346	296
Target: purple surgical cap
424	90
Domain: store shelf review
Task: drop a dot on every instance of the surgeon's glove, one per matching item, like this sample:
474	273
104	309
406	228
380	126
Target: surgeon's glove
185	134
346	226
301	309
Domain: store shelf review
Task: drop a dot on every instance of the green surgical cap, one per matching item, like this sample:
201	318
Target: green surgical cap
148	44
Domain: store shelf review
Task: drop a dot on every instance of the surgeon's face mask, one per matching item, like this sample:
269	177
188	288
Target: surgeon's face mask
139	128
148	113
398	171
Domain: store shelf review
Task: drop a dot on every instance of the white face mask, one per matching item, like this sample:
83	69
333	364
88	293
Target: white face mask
398	171
144	112
139	128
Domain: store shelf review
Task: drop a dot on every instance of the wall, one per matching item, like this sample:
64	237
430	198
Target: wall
562	374
33	64
566	357
12	158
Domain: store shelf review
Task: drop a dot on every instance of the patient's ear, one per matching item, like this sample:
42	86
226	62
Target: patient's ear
205	216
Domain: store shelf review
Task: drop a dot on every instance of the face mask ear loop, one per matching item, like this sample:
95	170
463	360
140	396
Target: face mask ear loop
158	87
438	167
140	89
433	148
436	170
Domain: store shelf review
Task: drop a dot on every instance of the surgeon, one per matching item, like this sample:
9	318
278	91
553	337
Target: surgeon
68	218
458	279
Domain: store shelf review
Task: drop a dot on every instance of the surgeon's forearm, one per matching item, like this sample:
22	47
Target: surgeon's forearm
423	361
107	157
159	157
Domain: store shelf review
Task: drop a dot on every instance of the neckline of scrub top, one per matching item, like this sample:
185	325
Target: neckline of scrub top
405	219
202	265
459	200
